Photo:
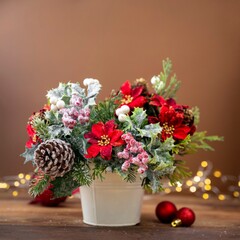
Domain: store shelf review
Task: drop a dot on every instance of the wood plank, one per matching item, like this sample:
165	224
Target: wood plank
214	220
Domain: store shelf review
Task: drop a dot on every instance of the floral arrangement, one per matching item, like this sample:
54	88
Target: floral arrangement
134	132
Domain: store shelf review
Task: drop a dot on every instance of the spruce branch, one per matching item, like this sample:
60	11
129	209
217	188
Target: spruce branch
63	186
199	141
181	172
81	174
38	185
163	86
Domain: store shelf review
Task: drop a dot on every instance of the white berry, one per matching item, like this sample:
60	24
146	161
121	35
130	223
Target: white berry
122	117
54	108
155	79
53	100
118	111
60	104
125	109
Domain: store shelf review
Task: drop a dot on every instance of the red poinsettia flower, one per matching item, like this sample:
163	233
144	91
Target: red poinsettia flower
157	100
103	137
132	96
172	123
33	138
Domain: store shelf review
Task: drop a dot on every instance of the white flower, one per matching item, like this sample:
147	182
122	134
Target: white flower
89	81
60	104
54	107
155	79
53	100
122	117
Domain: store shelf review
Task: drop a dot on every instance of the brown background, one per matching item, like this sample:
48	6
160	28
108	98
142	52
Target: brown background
44	42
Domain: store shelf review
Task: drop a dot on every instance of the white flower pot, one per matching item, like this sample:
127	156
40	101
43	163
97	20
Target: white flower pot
112	202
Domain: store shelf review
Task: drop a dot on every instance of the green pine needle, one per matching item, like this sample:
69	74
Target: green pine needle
40	186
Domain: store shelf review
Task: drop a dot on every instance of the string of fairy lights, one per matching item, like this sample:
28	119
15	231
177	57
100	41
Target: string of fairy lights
207	183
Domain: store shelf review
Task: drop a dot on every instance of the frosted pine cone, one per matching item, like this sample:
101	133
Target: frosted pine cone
54	157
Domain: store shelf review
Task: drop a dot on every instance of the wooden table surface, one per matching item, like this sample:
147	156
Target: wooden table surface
214	220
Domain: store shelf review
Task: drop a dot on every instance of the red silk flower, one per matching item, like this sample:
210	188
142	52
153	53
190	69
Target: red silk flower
102	138
33	138
172	123
132	96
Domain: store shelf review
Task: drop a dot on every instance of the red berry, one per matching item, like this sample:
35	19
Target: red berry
165	211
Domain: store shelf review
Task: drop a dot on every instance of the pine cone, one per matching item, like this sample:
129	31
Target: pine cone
188	117
54	157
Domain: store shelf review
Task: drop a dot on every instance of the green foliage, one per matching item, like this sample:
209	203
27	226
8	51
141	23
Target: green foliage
41	127
196	114
180	172
63	186
180	146
129	175
166	87
81	174
40	185
29	153
139	117
104	111
199	141
98	169
150	131
63	91
52	118
152	183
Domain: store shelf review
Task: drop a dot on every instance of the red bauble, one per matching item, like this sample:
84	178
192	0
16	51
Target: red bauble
166	211
46	198
184	217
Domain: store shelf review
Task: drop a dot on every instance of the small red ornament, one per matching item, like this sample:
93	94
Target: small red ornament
46	198
166	211
184	217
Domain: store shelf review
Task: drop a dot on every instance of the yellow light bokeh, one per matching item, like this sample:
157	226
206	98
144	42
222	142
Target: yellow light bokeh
205	196
200	173
167	190
15	193
193	189
178	189
207	187
201	184
16	183
28	177
217	174
21	175
207	181
239	183
22	181
221	197
189	183
204	164
236	194
4	185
